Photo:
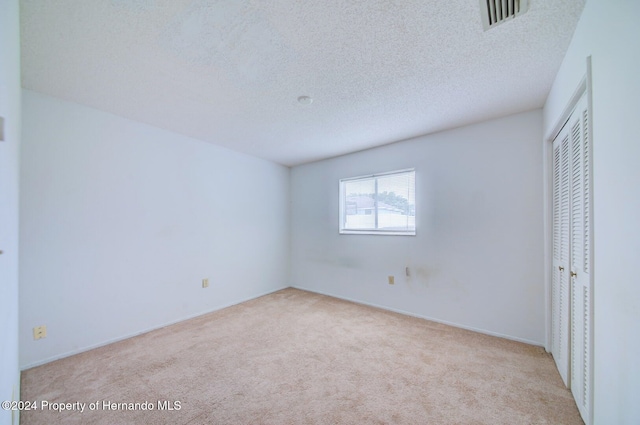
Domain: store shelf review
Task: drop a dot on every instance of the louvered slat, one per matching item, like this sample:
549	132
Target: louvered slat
586	192
564	200
491	10
556	203
576	196
555	284
555	339
586	361
573	332
564	318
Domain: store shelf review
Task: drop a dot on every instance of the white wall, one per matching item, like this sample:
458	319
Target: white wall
9	153
609	32
477	258
120	221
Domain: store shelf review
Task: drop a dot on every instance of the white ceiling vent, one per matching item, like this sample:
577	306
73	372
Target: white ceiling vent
495	12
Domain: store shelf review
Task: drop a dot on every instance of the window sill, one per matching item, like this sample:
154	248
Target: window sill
377	232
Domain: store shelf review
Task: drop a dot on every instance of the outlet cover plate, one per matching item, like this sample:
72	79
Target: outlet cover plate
40	332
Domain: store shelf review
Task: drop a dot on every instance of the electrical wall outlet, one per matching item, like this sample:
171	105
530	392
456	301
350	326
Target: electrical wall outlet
205	283
40	332
392	280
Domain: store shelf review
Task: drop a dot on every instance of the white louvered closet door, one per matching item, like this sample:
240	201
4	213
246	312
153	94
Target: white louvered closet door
580	273
560	279
571	280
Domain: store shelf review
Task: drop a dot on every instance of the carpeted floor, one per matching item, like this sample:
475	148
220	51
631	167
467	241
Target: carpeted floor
295	357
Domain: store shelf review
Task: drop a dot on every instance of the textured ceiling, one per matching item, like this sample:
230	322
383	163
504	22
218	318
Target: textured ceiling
229	72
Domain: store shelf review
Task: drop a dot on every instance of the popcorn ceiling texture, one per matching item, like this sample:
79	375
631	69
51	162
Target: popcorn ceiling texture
229	72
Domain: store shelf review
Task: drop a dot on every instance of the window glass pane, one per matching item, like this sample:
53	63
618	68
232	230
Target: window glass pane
396	202
359	204
379	204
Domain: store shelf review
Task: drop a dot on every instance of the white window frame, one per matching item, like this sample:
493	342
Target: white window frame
341	212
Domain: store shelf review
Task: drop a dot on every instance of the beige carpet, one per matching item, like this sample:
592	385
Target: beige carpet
295	357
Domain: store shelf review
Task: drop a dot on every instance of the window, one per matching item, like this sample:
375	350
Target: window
379	204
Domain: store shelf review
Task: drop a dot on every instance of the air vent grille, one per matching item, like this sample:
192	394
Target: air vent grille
495	12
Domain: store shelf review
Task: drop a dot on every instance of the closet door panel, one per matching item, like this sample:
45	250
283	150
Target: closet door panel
580	260
560	277
571	297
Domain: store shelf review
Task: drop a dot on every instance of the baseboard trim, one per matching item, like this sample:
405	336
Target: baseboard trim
420	316
134	334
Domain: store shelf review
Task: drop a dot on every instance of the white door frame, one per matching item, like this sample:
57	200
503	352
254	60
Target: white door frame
585	87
